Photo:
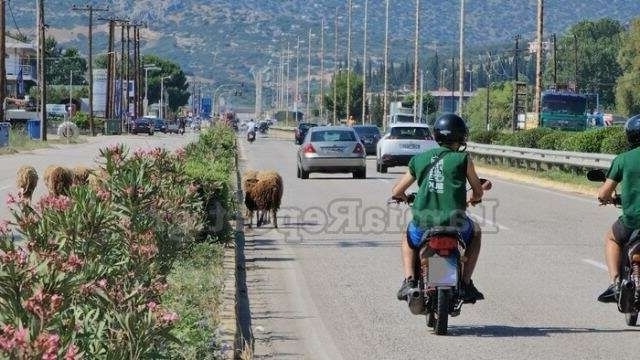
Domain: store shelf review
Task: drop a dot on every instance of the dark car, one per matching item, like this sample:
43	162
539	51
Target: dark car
301	131
141	125
173	128
160	125
369	135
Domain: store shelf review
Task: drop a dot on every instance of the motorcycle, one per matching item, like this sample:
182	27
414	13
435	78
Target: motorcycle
251	136
440	262
629	295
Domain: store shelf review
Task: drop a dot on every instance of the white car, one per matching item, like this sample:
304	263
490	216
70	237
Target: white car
400	143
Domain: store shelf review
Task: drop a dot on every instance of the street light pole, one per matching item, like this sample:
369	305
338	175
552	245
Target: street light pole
348	105
146	87
161	110
386	64
364	63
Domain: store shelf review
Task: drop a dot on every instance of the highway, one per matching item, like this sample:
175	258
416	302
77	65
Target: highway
323	285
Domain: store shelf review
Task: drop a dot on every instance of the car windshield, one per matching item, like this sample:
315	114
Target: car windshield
409	133
333	135
305	126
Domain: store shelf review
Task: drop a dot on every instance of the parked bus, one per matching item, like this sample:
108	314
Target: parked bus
563	111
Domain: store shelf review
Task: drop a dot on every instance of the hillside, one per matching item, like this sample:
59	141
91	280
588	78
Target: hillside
224	38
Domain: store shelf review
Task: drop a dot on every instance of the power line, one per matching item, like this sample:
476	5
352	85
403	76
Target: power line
15	23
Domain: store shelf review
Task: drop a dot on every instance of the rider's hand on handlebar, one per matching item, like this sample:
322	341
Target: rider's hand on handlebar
474	200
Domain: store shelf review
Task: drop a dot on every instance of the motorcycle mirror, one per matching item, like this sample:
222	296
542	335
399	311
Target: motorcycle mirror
596	175
486	184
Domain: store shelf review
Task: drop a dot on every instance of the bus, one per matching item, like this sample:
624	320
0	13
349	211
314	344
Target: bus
563	111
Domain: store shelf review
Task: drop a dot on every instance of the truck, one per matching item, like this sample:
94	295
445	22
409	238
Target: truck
400	114
563	110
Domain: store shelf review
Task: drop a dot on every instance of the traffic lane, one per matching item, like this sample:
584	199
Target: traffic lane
84	154
528	314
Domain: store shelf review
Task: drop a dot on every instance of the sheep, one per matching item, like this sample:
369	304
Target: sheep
58	180
263	194
81	175
27	179
250	177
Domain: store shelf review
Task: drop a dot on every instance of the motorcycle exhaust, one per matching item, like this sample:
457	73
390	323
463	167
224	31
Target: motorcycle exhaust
416	302
627	296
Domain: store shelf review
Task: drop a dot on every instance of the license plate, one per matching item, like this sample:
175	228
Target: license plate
411	146
443	271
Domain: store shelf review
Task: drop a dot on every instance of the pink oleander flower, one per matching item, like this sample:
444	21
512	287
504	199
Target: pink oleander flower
48	344
12	338
73	263
4	227
181	153
11	199
102	283
152	305
73	353
57	203
169	318
103	195
139	153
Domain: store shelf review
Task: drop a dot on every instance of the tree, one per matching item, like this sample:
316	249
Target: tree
340	84
597	44
176	87
627	94
500	107
62	63
429	103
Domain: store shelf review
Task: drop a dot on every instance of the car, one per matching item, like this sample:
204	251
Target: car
195	125
400	143
173	128
301	131
369	135
159	125
331	149
141	125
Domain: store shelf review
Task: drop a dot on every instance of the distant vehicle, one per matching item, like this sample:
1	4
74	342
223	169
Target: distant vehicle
195	125
331	149
301	131
141	125
563	111
159	125
369	135
400	143
400	114
173	128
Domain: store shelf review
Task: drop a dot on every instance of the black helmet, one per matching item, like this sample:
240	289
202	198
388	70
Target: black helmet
632	128
450	128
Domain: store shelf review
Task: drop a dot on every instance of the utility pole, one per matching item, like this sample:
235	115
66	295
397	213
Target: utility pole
91	9
555	61
536	104
127	67
110	72
516	54
453	84
348	105
364	63
309	74
415	63
322	69
41	71
461	61
3	52
122	60
335	71
575	61
297	92
386	64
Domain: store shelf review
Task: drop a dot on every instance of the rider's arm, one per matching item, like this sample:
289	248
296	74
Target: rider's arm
605	193
474	181
402	185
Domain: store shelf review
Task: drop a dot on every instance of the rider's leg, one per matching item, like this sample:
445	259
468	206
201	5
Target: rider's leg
408	258
612	255
472	253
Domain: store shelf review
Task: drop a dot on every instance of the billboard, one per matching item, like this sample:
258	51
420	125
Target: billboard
100	90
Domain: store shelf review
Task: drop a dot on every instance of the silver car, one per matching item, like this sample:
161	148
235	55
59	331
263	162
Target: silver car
332	149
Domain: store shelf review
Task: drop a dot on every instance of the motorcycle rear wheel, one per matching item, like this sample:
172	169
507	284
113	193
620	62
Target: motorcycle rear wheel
431	320
442	311
631	318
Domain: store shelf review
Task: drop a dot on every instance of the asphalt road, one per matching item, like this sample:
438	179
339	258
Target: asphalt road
84	154
323	285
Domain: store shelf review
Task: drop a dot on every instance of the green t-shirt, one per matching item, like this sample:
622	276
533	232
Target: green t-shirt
625	170
441	199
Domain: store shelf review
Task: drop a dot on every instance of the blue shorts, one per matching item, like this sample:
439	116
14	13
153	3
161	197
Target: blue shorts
414	233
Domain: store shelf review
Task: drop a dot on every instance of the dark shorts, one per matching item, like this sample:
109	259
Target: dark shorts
621	232
414	233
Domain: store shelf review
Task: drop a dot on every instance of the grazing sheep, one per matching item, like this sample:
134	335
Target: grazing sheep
250	177
58	180
27	179
263	194
81	175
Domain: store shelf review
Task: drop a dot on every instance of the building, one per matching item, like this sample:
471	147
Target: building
447	100
20	64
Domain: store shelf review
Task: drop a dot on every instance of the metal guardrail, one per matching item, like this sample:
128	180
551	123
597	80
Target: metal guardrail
541	156
537	157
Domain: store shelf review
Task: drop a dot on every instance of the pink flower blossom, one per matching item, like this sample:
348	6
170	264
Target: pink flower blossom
152	305
11	200
181	153
103	195
73	353
48	344
169	318
57	203
4	227
73	263
102	283
139	153
12	338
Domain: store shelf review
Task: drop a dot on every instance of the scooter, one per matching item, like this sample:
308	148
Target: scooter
251	136
440	263
629	296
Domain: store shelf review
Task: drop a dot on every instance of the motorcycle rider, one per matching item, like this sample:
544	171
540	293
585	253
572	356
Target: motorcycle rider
251	129
625	168
441	200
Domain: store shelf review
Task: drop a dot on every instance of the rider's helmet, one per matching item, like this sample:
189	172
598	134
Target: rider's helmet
632	128
450	128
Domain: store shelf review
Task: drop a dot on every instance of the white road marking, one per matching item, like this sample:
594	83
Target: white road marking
596	264
385	181
5	187
482	220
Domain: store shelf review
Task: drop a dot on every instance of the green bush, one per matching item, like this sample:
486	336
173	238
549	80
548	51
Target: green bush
553	140
587	141
484	136
615	141
525	139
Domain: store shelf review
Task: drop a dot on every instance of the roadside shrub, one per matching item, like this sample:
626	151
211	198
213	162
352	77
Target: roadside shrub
526	138
615	141
553	140
484	136
586	141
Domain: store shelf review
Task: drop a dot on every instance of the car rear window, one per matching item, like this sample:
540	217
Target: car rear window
410	133
367	130
333	135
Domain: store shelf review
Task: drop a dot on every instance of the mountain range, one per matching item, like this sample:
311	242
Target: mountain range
223	40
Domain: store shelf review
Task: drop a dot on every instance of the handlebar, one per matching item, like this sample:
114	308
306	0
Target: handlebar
486	185
616	201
